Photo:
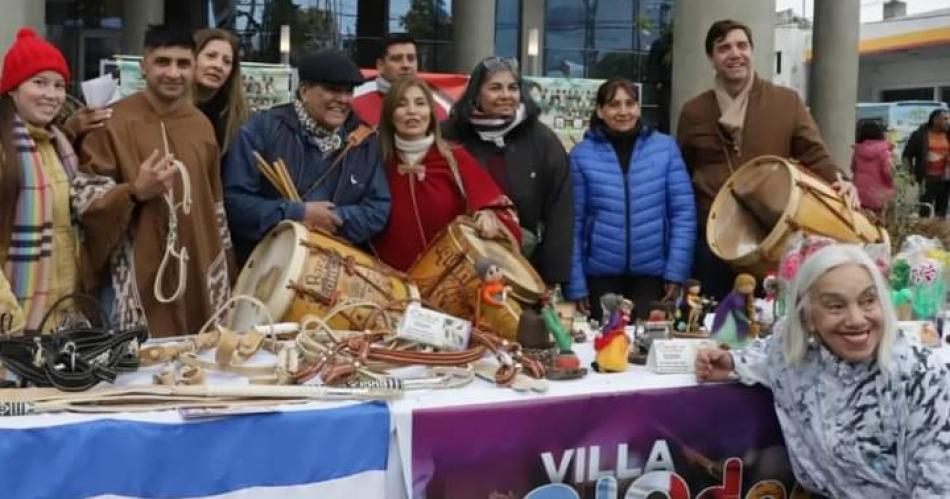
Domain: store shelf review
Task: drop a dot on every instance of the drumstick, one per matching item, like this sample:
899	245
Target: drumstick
266	171
292	188
282	171
265	168
283	180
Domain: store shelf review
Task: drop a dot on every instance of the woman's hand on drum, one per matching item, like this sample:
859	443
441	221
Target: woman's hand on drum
486	224
321	215
714	364
848	191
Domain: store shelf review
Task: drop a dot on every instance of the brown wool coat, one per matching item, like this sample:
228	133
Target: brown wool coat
776	123
113	224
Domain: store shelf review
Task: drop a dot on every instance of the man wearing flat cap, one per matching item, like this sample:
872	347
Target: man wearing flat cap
333	161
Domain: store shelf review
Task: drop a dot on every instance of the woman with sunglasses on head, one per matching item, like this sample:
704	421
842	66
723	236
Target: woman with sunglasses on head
39	244
430	181
219	91
865	411
497	122
634	211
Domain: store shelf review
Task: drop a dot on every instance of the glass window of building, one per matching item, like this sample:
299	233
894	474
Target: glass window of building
602	38
87	32
343	24
430	23
508	28
314	24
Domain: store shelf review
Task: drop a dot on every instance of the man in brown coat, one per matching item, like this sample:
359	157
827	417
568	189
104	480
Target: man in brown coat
740	118
164	266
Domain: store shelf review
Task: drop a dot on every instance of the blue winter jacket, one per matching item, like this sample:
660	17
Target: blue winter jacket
357	185
641	224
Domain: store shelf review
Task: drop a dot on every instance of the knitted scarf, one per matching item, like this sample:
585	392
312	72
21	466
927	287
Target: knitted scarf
733	109
327	140
30	259
412	152
494	128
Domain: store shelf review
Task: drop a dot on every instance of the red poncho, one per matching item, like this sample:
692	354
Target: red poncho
421	208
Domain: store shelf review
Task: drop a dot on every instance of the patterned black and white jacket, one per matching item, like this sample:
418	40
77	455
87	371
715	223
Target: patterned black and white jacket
855	430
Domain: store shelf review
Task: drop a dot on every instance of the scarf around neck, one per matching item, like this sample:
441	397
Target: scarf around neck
412	152
733	110
494	128
327	140
383	85
29	263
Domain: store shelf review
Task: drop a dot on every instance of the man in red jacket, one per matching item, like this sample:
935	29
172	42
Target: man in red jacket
396	59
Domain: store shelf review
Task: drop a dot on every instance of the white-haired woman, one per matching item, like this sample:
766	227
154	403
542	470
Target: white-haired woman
864	412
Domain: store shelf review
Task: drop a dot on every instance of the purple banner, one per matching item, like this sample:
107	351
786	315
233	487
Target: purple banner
714	441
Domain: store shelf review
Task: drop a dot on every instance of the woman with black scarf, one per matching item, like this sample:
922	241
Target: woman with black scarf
497	122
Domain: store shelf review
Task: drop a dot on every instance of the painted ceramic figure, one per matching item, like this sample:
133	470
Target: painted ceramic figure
691	311
612	344
736	323
495	311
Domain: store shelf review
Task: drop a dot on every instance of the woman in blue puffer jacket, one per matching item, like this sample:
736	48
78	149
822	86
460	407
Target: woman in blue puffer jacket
634	211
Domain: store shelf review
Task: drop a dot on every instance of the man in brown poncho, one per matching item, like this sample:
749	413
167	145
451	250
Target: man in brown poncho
128	169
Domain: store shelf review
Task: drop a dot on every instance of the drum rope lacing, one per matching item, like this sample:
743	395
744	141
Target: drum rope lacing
171	238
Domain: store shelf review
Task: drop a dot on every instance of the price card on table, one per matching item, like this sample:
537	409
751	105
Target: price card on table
675	356
434	328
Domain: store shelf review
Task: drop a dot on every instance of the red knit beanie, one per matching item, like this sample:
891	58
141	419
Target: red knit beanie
29	55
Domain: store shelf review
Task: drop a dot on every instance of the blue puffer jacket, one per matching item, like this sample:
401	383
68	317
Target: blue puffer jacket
644	224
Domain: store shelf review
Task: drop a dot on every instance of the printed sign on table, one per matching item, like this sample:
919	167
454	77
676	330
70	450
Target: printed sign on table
714	441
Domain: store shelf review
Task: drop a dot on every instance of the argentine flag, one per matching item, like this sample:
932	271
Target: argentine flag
317	450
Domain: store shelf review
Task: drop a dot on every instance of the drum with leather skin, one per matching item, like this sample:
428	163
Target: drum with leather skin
768	199
446	275
297	272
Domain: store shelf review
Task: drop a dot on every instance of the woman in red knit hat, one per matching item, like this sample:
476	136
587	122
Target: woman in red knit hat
38	241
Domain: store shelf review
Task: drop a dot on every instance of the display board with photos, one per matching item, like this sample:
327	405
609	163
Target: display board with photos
265	85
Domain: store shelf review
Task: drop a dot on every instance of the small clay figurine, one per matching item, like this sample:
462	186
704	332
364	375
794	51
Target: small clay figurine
493	309
736	323
691	312
612	344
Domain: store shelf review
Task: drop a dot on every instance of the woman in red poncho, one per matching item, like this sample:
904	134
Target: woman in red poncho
431	182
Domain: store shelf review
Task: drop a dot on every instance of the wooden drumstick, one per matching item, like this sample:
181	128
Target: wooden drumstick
266	171
282	170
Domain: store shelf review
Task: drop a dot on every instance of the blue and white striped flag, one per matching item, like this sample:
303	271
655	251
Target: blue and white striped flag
330	452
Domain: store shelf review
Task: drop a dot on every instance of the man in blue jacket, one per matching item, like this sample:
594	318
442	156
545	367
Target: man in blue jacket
333	160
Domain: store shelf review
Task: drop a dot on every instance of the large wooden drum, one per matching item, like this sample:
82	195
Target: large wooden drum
296	272
768	199
446	275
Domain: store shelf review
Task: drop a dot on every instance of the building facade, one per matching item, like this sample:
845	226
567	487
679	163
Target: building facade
901	57
558	38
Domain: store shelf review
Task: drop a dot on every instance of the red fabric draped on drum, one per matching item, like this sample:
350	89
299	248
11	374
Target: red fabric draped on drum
430	204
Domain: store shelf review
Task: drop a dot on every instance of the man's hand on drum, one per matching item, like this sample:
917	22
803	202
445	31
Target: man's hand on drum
848	191
714	364
321	215
486	223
